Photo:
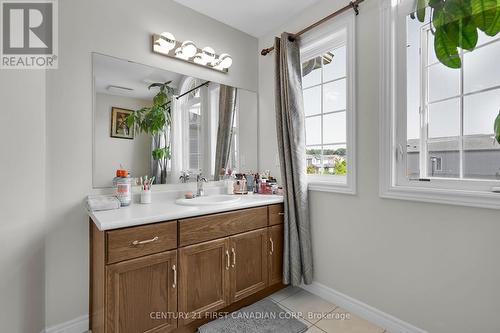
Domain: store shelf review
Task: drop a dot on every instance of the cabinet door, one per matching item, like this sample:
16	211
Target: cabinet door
248	263
142	294
275	254
204	278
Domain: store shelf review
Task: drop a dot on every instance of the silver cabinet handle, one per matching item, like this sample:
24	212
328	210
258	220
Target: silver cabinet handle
281	214
136	242
234	257
272	246
228	260
175	276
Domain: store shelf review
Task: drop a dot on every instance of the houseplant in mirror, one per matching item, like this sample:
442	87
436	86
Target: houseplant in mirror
155	121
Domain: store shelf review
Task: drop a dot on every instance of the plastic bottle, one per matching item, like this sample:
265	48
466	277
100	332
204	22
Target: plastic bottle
123	187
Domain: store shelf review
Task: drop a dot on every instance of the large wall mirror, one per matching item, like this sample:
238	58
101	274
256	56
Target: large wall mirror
210	127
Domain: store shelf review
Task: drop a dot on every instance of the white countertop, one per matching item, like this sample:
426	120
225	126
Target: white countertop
164	208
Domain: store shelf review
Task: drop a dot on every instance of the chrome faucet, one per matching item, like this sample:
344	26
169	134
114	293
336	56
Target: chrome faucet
184	178
199	185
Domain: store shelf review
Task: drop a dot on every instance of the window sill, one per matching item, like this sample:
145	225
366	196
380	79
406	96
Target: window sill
334	184
468	198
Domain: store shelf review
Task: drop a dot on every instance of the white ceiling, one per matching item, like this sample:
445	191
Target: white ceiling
255	17
110	71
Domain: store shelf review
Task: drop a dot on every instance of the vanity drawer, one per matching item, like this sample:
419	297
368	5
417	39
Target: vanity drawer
276	214
204	228
139	241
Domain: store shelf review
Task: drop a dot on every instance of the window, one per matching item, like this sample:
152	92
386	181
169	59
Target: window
327	56
194	127
437	122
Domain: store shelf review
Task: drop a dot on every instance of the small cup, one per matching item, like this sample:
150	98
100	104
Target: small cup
145	196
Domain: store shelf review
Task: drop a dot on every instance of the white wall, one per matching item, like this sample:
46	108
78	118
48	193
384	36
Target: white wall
434	266
120	28
109	153
22	206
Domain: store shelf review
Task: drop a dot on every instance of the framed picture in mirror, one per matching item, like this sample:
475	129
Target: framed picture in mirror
119	126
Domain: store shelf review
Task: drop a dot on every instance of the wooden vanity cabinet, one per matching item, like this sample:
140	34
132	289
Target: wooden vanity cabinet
275	234
204	278
142	294
163	277
249	264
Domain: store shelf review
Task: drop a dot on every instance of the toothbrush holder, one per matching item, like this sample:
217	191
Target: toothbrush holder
145	196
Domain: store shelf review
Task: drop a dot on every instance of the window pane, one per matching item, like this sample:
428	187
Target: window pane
481	68
312	101
313	160
481	157
413	79
334	127
413	158
334	64
432	59
444	82
444	159
444	119
311	72
313	130
480	111
334	96
483	38
335	160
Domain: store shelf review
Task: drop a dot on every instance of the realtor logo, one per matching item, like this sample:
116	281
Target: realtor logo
29	34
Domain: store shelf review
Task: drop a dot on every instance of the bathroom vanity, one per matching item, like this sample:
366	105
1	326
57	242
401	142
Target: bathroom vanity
166	267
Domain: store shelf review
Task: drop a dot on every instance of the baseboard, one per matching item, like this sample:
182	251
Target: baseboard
77	325
380	318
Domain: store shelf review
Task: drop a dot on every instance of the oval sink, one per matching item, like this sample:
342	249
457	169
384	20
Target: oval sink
210	200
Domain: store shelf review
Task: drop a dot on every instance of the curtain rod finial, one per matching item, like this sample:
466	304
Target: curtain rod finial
265	52
355	6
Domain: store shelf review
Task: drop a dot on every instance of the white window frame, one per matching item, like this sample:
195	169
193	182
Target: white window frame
393	181
326	37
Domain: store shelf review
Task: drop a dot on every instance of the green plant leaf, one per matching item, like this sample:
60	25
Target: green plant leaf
160	99
468	35
436	4
438	18
463	34
483	13
494	27
497	128
446	50
457	10
421	6
161	153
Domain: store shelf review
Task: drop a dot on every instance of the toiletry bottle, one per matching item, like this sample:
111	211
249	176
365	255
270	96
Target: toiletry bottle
229	185
123	187
256	183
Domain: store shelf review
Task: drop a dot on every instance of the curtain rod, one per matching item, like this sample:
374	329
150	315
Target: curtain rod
353	4
197	87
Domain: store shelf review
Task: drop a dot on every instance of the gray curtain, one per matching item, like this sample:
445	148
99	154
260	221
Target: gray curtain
290	127
227	107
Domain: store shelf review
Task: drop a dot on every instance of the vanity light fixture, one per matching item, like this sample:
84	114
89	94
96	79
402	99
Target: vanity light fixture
166	41
166	44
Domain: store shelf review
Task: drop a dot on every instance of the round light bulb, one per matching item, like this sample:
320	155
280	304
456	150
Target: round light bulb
180	54
208	54
189	49
225	60
199	59
167	41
